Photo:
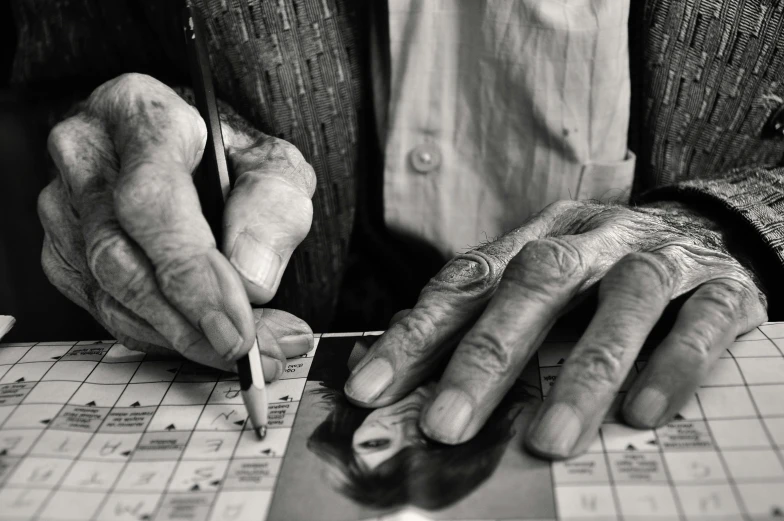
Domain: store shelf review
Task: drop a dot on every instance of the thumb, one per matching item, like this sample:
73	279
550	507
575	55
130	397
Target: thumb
280	336
268	213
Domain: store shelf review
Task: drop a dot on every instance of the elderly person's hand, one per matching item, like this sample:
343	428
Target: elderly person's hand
497	303
126	238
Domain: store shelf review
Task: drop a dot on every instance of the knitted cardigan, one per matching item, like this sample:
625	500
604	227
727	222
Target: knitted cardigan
707	82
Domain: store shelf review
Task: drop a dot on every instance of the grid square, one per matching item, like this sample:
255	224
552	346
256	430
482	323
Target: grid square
188	393
128	507
695	467
98	394
241	505
142	395
39	472
61	506
775	330
753	464
754	348
51	392
20	503
175	417
145	476
76	371
119	373
724	372
726	402
648	501
588	468
160	371
776	429
18	442
29	372
47	353
708	500
12	354
734	434
589	501
754	334
32	416
56	443
93	475
762	370
769	399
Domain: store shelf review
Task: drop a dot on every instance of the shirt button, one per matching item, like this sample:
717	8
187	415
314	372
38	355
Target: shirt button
775	125
425	157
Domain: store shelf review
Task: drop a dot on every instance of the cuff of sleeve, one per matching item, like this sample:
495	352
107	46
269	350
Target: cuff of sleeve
746	200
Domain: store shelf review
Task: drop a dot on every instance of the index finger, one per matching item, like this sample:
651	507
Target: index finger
410	350
159	139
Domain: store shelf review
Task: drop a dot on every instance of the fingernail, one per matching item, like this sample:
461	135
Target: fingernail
557	431
296	343
370	381
256	262
649	406
272	367
449	415
222	334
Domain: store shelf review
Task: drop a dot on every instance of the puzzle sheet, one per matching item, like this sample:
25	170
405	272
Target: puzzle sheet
92	430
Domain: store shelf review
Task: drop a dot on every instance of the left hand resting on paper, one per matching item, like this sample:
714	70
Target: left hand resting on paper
488	311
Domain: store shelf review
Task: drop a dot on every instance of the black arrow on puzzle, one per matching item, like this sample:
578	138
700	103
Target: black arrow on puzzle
145	517
267	452
171	427
92	403
679	417
287	398
20	380
561	361
651	442
172	370
56	358
4	452
215	483
45	421
135	404
239	422
126	453
631	447
776	512
195	487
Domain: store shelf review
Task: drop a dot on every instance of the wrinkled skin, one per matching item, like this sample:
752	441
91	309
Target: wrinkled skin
126	239
488	311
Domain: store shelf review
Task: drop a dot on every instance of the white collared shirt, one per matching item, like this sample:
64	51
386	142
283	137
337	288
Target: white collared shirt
497	108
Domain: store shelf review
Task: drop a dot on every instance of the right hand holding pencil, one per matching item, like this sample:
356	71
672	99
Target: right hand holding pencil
125	238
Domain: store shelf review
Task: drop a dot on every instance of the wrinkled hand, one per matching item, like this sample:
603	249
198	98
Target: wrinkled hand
126	239
497	303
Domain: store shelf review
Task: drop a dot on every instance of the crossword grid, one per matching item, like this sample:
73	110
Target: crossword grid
722	457
128	436
92	430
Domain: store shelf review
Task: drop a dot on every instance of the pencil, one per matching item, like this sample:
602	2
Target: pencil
213	184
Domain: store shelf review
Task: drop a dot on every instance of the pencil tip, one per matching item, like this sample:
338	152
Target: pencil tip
261	432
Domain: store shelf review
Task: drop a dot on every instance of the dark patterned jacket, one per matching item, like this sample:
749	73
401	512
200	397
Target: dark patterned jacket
707	103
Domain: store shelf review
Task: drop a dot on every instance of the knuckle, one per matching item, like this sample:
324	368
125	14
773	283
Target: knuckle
646	269
599	365
178	275
722	299
113	264
697	344
487	354
545	263
48	201
416	328
562	206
